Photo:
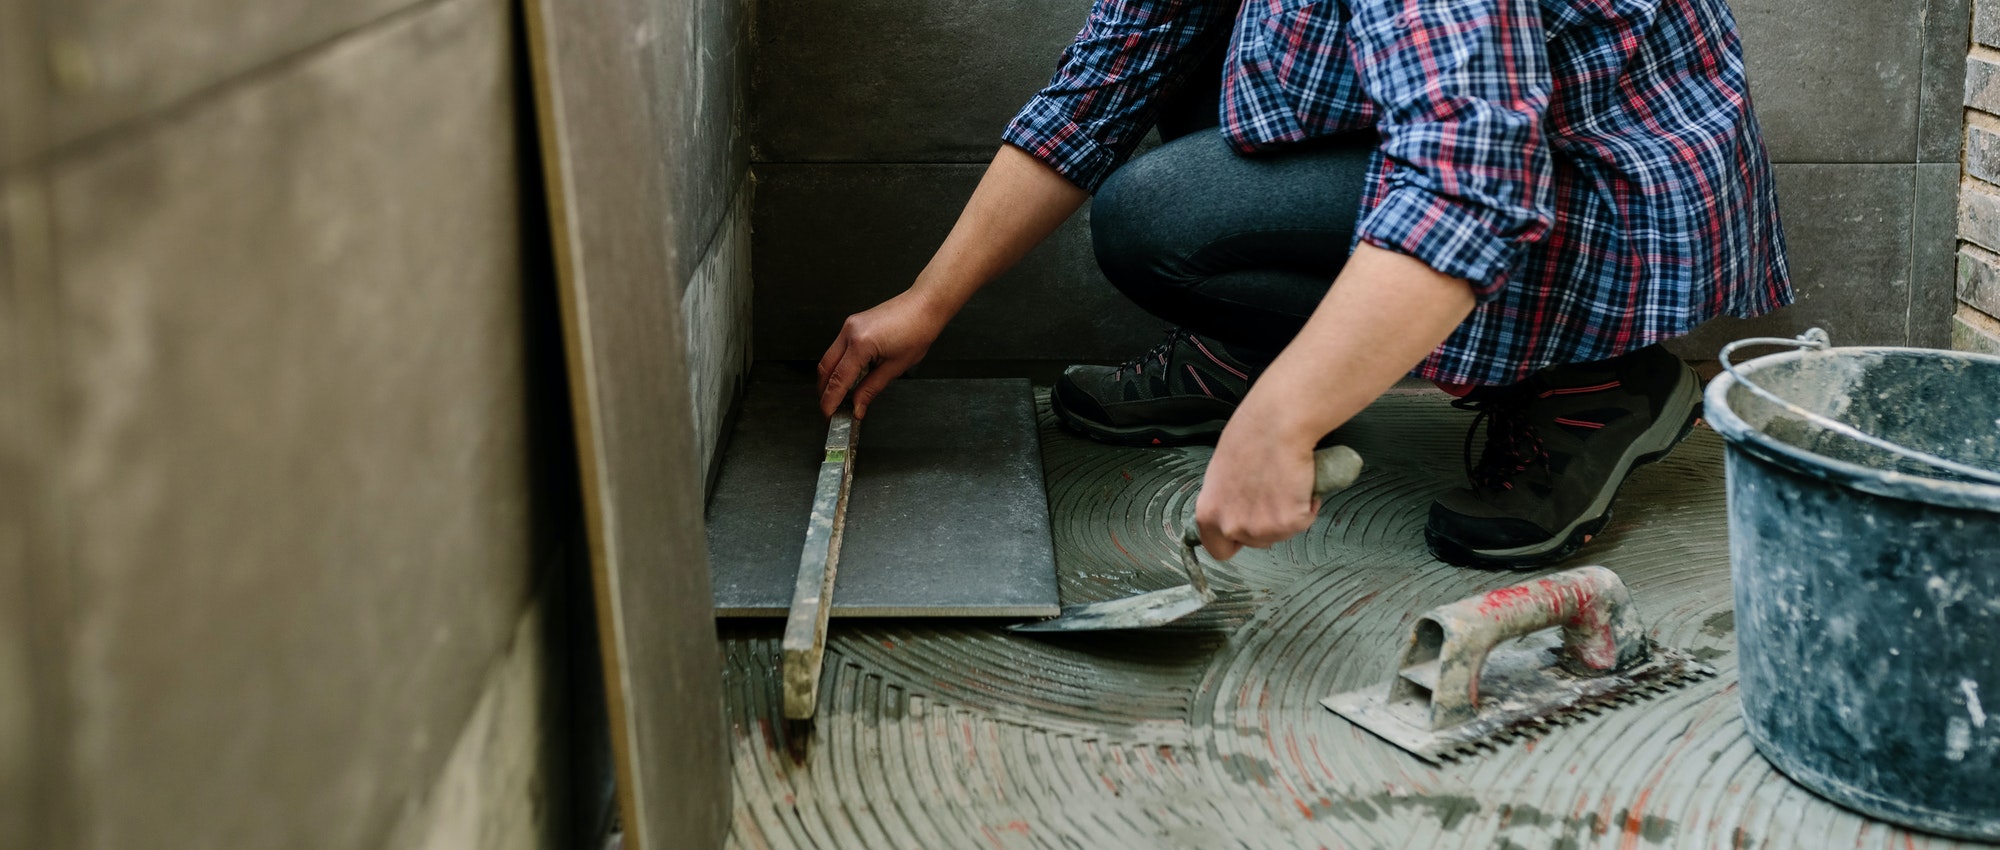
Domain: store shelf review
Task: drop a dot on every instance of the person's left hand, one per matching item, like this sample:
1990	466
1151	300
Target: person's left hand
1258	489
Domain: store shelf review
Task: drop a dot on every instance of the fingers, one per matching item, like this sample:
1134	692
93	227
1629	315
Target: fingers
872	385
1225	536
832	358
1219	545
839	379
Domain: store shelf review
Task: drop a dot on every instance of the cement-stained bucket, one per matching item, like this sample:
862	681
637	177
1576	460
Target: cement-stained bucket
1864	524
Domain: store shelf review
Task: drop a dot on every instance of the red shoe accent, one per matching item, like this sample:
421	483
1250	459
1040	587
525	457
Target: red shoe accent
1218	361
1581	390
1197	379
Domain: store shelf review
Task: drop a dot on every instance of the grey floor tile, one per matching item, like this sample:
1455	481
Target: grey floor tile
948	514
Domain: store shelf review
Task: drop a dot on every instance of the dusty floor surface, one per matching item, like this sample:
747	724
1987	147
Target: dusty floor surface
939	734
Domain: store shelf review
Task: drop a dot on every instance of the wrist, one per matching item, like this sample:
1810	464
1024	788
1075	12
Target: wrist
934	301
1274	411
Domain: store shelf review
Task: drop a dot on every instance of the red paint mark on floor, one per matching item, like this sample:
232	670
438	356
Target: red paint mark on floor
1634	820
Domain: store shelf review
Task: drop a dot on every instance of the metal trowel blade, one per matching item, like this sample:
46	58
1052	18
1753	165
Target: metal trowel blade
1144	611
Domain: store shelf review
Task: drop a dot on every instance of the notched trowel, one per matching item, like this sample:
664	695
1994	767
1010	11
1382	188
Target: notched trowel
1577	649
1334	469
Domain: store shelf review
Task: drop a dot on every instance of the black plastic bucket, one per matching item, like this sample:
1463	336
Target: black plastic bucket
1867	574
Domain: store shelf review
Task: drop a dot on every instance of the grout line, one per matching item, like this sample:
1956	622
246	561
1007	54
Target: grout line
1928	20
739	189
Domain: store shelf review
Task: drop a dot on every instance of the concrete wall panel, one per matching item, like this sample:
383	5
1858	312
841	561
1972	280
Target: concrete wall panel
935	82
891	89
699	58
298	473
830	240
1932	265
23	367
23	87
1947	31
716	313
116	60
630	382
493	793
899	81
1848	228
1863	74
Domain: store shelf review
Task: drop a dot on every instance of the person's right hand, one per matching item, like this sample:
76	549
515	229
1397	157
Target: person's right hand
881	343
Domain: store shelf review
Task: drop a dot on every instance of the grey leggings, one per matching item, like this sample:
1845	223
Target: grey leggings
1237	248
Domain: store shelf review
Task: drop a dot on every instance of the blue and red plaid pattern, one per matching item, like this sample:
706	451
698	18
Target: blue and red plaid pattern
1591	167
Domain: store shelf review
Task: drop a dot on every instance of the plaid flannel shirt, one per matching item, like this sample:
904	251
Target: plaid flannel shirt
1591	167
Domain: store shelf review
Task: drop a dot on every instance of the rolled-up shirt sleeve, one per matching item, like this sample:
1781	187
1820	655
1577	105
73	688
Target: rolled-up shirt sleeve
1106	91
1460	88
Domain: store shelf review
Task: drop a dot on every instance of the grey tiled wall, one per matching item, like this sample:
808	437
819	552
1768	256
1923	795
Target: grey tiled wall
884	108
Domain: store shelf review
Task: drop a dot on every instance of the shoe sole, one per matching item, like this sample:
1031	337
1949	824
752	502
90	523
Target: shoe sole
1565	543
1139	435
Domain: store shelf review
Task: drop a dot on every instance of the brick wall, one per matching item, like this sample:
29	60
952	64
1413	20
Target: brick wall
1974	325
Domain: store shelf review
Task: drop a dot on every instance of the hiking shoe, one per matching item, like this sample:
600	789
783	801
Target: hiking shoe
1180	391
1557	447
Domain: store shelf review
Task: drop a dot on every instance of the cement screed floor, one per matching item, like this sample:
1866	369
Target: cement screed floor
958	734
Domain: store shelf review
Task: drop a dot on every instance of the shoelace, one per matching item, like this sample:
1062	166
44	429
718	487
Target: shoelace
1158	352
1512	445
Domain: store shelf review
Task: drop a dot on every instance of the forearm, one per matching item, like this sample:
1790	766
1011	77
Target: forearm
1383	315
1018	203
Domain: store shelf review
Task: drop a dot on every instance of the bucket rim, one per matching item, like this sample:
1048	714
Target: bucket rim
1881	482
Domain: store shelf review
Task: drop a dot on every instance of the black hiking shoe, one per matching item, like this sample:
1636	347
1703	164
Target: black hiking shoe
1557	447
1180	391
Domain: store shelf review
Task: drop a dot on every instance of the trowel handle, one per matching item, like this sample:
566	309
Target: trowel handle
1447	648
1334	470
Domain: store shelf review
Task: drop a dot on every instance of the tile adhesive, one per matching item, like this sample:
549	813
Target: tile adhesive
1209	733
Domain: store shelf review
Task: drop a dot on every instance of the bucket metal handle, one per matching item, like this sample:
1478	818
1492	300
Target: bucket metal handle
1817	340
